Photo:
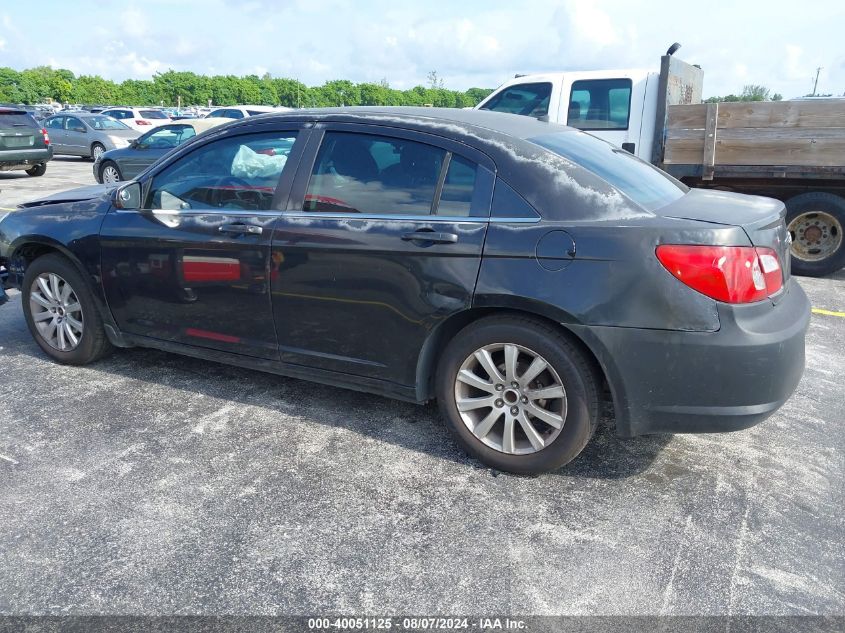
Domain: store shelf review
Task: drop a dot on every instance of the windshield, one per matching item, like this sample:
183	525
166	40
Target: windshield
105	123
16	118
640	181
153	114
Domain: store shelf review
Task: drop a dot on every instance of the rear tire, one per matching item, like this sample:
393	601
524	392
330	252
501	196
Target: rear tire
816	221
548	431
53	290
97	150
38	170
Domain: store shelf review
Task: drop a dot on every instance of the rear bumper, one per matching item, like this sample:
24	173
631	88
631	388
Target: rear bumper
702	382
24	158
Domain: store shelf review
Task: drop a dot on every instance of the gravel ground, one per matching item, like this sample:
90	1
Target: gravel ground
154	484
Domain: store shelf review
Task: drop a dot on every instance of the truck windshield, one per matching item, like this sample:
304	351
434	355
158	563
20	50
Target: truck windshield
641	182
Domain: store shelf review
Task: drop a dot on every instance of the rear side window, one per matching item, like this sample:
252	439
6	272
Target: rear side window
56	123
600	104
641	182
528	99
349	178
153	114
17	119
458	188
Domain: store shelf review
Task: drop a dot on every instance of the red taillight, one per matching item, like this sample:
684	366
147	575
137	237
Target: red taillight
733	274
46	136
142	122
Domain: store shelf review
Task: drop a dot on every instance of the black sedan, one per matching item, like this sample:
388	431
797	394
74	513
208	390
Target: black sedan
127	162
513	269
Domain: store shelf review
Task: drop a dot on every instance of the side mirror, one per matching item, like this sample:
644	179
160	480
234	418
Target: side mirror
134	143
128	196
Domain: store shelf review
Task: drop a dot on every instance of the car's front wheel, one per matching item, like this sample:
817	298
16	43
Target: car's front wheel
518	394
110	173
60	312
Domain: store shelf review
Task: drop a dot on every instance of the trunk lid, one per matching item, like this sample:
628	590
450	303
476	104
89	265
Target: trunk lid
762	219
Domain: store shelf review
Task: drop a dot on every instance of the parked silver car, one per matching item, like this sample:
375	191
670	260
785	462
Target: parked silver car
84	134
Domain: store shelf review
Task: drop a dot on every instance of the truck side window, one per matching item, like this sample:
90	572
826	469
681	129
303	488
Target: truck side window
526	99
600	104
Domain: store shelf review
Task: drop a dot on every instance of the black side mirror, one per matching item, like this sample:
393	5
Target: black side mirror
127	197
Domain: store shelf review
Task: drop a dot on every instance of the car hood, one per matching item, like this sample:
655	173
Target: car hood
73	195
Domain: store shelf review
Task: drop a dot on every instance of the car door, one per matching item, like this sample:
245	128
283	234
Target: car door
190	267
76	137
380	242
55	130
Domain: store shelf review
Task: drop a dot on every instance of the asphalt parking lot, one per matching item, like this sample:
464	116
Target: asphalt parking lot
155	484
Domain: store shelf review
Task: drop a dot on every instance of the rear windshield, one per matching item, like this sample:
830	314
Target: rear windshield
16	118
256	112
106	123
153	114
640	181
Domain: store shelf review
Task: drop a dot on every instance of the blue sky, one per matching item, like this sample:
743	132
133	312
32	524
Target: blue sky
470	43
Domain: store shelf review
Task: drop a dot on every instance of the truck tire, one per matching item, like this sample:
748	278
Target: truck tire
816	222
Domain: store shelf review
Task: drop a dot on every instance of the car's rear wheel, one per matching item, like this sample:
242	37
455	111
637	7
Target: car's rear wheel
518	394
816	223
38	170
97	150
60	312
110	173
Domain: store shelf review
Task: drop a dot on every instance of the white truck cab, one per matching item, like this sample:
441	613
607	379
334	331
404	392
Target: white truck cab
616	105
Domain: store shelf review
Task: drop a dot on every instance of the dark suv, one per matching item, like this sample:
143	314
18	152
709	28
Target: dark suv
24	144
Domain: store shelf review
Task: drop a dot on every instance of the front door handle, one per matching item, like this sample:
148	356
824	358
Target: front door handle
430	236
241	229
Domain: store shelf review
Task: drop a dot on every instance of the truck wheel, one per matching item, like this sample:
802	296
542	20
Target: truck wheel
816	221
517	394
38	170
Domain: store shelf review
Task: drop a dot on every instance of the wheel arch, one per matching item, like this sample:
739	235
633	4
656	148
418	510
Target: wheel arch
579	336
27	248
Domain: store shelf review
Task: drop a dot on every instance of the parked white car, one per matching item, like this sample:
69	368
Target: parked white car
141	119
243	111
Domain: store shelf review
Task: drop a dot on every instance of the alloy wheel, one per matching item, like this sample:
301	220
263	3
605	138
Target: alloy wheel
816	235
98	151
56	312
510	398
110	174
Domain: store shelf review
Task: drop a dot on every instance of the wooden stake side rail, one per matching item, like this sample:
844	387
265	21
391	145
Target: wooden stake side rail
801	134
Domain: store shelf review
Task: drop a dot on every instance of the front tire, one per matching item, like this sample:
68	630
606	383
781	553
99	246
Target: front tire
61	313
518	394
38	170
816	221
110	173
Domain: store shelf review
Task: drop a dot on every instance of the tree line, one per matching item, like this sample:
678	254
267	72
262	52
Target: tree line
38	85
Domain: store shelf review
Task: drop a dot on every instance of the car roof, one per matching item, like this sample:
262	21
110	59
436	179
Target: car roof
460	122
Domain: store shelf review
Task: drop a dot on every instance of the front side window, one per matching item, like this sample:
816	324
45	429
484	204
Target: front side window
239	173
166	137
640	181
600	104
363	173
527	99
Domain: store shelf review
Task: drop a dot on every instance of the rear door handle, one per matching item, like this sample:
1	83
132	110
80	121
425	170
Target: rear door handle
241	229
431	236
